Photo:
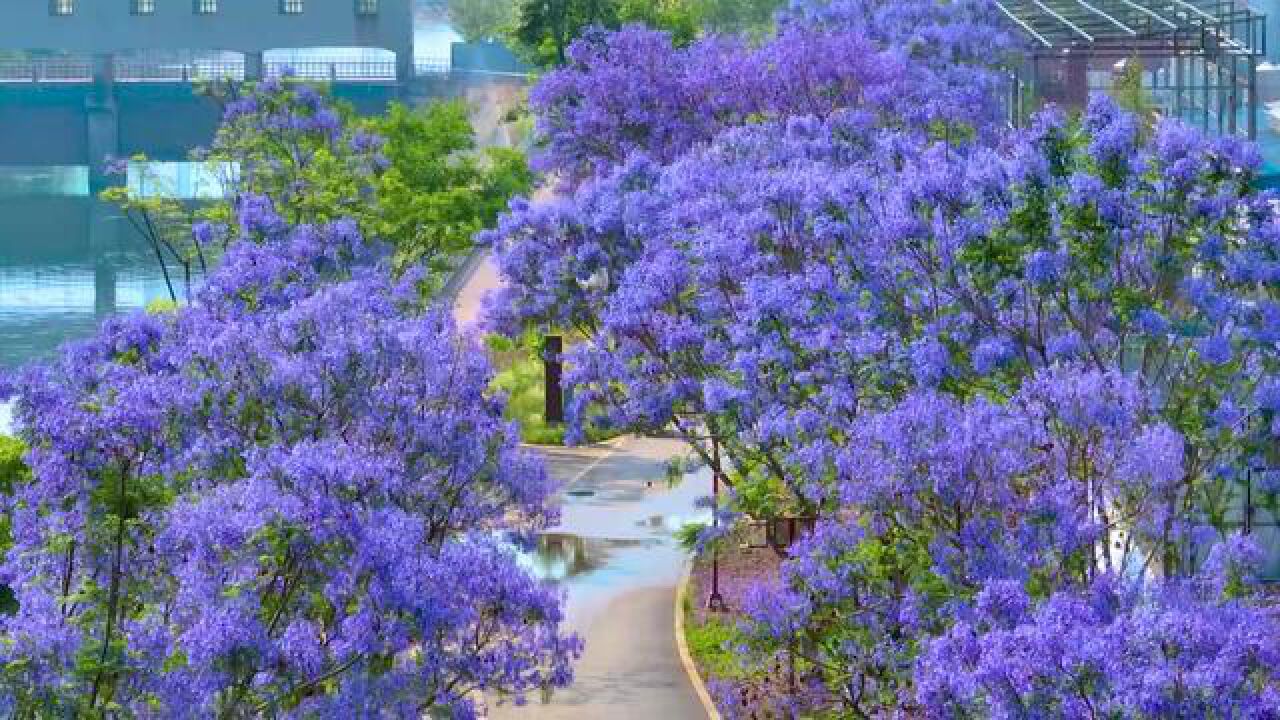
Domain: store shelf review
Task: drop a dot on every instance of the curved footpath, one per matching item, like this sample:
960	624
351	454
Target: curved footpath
619	565
620	574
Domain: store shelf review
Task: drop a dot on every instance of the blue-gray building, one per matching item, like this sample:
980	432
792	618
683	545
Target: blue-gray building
104	28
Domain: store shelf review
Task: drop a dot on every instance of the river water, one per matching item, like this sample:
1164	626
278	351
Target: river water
66	261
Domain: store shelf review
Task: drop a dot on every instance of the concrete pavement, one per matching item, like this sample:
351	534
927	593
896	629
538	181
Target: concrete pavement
469	300
615	555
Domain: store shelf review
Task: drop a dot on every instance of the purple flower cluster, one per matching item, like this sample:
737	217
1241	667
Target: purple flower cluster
294	497
1016	374
633	91
1103	651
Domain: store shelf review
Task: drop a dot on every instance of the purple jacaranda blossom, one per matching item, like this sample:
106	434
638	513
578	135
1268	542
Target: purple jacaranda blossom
827	292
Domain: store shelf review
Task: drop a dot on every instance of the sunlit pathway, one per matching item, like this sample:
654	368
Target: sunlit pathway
615	555
482	277
479	277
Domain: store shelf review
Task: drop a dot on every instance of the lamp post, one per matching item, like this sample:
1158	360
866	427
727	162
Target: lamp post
716	602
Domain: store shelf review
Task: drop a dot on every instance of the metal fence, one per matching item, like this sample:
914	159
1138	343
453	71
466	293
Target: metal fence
143	72
431	66
50	71
1250	506
160	71
334	70
1198	59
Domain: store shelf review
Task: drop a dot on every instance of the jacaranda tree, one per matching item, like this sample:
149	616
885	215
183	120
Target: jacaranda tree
294	497
1019	377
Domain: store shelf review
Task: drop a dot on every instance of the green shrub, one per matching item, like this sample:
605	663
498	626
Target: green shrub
687	535
13	471
520	378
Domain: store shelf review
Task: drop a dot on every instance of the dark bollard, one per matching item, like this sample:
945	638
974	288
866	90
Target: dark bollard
552	349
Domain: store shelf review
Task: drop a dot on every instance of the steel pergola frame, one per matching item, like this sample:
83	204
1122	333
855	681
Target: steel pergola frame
1201	55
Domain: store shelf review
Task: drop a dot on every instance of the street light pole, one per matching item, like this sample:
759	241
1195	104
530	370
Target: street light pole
716	602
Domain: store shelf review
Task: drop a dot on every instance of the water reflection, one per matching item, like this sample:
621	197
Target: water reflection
564	556
184	180
66	261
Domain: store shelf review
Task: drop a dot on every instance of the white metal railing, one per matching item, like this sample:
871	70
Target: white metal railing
50	71
334	70
150	71
431	66
158	71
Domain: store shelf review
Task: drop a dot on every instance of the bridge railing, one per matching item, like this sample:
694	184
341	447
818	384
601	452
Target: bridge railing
432	66
160	72
51	71
335	70
157	71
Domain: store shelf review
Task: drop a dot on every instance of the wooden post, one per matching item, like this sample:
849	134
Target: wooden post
552	350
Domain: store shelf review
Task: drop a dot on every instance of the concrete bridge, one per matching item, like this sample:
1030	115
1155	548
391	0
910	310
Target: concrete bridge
99	78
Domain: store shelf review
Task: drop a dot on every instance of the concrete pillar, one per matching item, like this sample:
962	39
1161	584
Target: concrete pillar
254	67
102	122
105	223
404	65
104	236
104	287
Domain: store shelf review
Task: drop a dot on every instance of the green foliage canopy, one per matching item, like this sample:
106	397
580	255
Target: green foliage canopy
480	20
414	178
544	29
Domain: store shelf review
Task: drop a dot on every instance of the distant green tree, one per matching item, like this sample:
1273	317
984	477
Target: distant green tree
413	178
682	18
753	17
688	19
546	28
438	190
480	20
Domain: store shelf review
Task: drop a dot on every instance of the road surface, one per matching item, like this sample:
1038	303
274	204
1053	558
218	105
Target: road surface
615	555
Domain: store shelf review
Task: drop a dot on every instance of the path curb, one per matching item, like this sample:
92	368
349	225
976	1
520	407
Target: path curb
682	647
462	274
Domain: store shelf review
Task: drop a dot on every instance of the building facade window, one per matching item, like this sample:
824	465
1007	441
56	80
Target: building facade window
366	7
206	7
144	7
291	7
62	7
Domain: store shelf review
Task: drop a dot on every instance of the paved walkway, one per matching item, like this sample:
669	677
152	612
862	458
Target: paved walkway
615	555
469	301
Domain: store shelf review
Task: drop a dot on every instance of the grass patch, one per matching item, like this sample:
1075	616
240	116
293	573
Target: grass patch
521	378
712	643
